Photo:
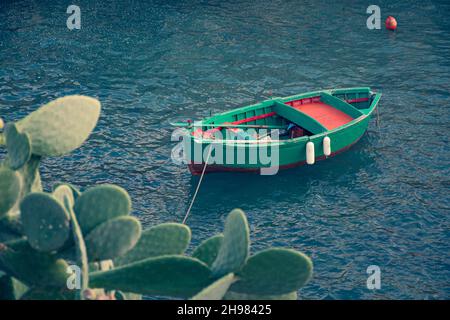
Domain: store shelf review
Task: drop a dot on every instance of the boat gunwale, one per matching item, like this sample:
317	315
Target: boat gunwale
256	143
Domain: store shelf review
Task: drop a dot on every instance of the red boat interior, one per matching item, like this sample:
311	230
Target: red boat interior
317	114
326	115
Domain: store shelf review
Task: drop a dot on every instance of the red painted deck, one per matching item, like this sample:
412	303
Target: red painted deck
325	114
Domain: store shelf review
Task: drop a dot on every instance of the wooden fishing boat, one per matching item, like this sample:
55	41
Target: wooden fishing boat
311	126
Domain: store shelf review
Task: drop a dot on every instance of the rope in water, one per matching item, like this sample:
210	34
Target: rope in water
198	186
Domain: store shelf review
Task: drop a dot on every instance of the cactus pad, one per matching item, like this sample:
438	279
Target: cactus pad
113	238
75	191
46	294
31	180
99	204
274	271
64	191
10	223
217	290
11	288
235	247
163	239
10	185
32	267
242	296
176	276
18	145
61	125
207	250
80	250
45	221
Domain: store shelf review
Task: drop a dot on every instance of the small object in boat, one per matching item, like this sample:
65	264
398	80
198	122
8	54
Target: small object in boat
310	157
326	146
391	23
295	131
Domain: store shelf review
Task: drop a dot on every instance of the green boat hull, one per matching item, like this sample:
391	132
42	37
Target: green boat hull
354	105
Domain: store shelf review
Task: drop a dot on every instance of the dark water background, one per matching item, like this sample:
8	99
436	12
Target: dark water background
384	202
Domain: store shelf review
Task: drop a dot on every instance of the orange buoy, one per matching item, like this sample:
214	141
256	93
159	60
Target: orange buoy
391	23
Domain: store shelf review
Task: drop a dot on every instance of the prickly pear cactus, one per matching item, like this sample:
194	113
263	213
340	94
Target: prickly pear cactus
11	288
64	193
235	247
10	227
46	294
217	290
31	179
18	145
45	221
41	233
80	250
113	238
62	125
10	186
274	271
75	191
230	295
163	239
19	260
208	250
99	204
176	276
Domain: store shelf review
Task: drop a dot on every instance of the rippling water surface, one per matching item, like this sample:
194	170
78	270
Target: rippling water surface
383	202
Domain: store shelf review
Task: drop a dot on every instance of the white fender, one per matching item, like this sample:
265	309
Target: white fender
326	146
310	158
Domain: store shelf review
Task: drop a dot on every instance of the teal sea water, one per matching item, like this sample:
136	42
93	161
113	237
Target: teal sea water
384	202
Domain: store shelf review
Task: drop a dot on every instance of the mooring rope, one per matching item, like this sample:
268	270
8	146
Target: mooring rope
198	186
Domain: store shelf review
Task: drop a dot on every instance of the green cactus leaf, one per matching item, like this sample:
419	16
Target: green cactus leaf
6	236
64	191
10	223
217	290
75	191
62	125
129	296
11	288
235	247
31	180
163	239
113	238
207	250
46	294
18	145
99	204
80	250
10	186
19	260
175	276
242	296
30	176
45	221
37	184
274	271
